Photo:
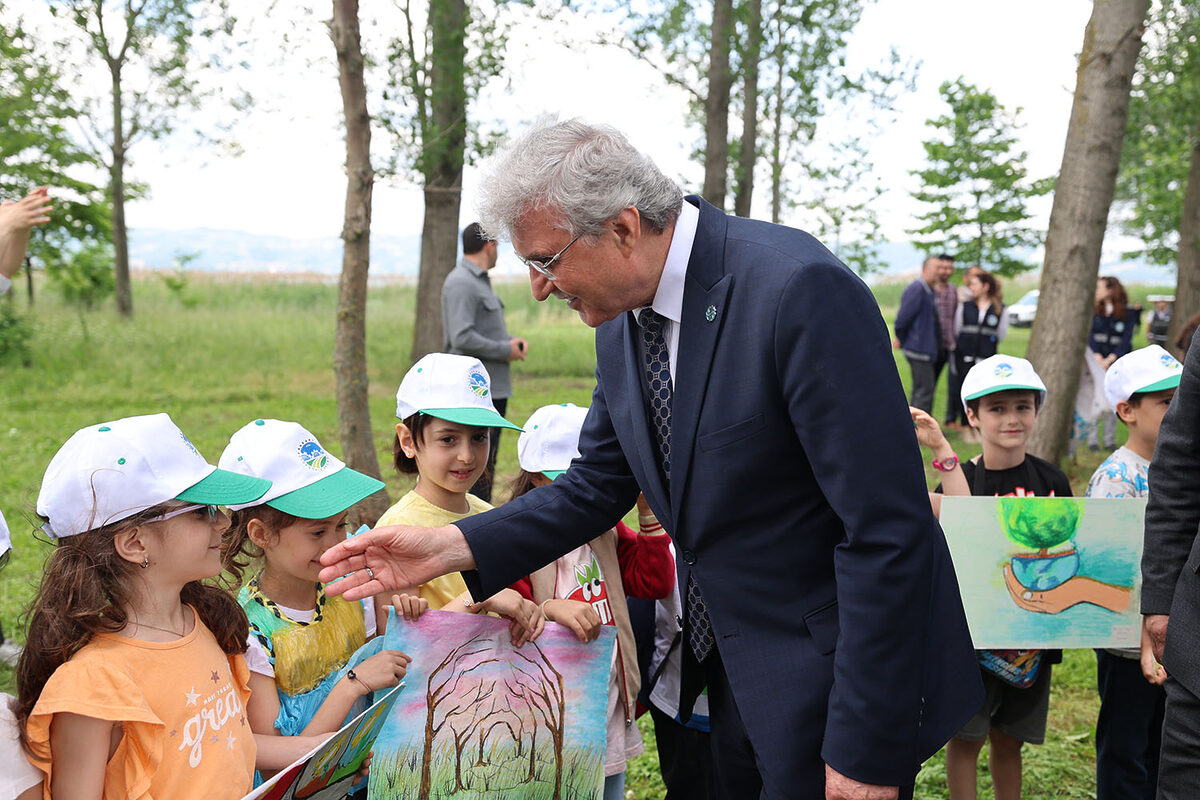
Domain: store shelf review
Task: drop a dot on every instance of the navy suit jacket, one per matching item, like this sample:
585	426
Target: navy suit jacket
797	499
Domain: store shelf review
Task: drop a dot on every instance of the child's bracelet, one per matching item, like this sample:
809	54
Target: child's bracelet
543	606
352	676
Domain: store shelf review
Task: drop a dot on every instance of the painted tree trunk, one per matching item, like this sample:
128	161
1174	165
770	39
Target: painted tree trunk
1079	215
350	335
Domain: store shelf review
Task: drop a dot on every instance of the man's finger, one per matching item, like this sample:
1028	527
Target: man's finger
347	548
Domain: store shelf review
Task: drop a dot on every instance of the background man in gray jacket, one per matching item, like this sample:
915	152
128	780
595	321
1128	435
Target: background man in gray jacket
473	325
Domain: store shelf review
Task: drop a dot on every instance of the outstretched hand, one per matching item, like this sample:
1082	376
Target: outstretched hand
392	557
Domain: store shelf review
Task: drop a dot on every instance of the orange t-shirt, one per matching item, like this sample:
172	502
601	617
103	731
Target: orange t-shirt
181	706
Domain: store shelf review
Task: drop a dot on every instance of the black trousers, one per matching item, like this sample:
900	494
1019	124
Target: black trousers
1179	760
925	376
684	759
483	487
1128	730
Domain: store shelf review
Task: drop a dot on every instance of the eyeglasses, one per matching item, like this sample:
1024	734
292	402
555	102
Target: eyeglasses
543	265
212	511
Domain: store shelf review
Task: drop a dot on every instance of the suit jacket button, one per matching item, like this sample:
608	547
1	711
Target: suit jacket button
689	557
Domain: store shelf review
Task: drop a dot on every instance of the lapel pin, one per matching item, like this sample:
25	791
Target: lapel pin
710	313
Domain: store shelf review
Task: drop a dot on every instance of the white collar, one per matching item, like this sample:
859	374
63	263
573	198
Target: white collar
668	298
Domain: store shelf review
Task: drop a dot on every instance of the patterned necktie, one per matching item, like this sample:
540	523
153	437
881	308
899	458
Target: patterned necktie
658	377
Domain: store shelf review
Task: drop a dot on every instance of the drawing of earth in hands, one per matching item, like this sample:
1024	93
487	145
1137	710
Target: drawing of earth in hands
1047	579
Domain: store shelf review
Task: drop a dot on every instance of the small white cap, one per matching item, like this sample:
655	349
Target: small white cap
1161	298
307	481
1001	373
551	439
1150	369
450	387
108	472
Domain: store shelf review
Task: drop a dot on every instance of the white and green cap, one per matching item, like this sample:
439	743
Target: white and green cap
1150	369
1001	373
108	472
551	439
307	481
450	387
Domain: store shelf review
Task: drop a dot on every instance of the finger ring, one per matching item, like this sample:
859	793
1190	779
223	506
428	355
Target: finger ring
370	574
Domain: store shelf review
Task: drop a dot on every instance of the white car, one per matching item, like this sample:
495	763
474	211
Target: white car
1022	312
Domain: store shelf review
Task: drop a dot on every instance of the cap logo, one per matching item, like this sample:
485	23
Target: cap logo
1169	361
312	454
1004	370
479	384
189	444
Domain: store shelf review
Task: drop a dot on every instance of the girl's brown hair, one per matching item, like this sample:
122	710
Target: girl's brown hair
238	552
85	589
1117	297
522	484
416	425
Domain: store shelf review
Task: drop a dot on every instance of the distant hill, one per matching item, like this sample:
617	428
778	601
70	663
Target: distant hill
237	251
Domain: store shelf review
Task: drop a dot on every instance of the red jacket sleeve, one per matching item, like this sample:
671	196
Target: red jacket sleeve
523	587
647	569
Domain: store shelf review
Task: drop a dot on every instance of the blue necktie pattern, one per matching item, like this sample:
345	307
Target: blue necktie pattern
658	376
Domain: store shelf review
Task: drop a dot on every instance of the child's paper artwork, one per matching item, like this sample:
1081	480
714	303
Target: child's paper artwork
482	718
1048	572
328	772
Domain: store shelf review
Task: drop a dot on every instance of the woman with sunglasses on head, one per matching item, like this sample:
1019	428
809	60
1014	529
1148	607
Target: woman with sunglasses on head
132	682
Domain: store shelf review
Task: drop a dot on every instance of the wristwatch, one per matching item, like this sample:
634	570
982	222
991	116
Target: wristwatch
947	464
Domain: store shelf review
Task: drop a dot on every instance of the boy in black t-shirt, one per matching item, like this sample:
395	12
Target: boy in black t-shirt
1002	396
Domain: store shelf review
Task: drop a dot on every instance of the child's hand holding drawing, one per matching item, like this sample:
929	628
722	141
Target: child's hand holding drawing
580	617
410	606
526	618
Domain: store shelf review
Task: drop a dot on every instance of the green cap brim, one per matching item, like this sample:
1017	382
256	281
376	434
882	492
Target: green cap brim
478	417
222	488
331	495
1166	383
553	474
1007	387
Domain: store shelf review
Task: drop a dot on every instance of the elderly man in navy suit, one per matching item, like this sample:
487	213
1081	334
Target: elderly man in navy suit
775	445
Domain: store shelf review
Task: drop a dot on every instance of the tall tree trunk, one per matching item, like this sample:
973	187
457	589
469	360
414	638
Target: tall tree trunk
444	144
777	125
1079	215
748	155
350	337
716	105
116	185
1187	281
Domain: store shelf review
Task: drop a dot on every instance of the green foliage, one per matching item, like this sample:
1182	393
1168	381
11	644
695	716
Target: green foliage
842	212
37	149
976	184
86	277
14	337
1162	131
409	113
176	280
1042	523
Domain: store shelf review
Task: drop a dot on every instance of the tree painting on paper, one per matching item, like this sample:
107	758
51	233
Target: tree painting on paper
483	718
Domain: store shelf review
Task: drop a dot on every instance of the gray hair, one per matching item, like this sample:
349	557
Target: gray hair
585	174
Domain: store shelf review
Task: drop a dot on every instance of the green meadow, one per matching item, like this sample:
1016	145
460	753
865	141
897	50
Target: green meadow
222	351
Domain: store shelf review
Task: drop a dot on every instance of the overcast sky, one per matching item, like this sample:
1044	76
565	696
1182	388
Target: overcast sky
289	179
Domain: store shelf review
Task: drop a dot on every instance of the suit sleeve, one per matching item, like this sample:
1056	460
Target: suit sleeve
1173	510
537	528
458	306
849	411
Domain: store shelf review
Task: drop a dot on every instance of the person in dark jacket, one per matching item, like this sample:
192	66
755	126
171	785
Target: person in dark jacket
1111	337
918	333
980	323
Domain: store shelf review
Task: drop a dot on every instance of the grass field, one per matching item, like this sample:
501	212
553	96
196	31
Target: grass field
226	351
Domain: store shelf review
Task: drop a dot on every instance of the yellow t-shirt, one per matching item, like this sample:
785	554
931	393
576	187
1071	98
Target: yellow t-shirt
412	509
181	706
